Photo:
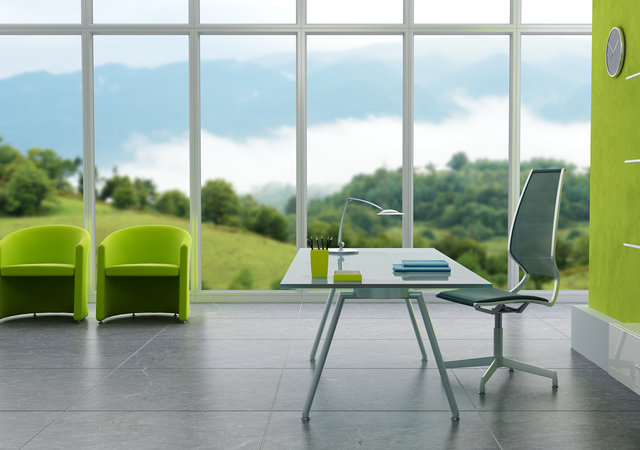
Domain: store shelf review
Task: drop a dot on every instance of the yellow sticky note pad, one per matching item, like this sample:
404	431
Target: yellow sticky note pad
347	275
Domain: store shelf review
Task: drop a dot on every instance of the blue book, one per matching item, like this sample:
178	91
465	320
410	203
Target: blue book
424	263
402	268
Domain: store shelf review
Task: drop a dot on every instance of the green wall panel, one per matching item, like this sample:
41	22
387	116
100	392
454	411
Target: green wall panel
614	270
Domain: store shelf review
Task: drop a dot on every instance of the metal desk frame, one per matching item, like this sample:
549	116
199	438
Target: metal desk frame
372	289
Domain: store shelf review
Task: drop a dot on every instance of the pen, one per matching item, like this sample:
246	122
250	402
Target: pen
322	242
329	241
317	243
310	243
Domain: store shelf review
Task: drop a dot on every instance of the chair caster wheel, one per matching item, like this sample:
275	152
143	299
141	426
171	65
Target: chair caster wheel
511	370
100	322
133	314
34	315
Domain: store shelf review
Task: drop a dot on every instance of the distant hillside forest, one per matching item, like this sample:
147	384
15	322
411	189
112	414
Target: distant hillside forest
461	211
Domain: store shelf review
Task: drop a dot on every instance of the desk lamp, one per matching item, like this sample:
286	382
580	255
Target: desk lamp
383	212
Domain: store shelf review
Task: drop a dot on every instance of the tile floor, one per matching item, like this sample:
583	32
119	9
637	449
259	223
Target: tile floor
236	375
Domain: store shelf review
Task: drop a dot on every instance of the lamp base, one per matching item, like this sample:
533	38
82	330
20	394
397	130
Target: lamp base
344	251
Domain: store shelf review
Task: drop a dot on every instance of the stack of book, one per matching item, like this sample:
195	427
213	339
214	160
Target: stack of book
422	266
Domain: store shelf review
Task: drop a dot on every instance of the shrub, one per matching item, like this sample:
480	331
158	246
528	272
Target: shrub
26	189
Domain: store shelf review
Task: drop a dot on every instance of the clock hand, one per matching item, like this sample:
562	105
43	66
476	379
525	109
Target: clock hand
612	49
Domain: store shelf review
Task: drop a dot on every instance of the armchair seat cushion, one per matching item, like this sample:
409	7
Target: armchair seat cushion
143	270
38	270
470	296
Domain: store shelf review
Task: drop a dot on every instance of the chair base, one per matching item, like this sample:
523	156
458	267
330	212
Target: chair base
495	362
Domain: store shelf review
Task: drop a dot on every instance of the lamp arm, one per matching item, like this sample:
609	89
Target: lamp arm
340	243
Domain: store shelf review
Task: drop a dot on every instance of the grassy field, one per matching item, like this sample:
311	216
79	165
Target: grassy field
227	253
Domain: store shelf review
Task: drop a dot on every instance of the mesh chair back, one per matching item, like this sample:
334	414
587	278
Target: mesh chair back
533	234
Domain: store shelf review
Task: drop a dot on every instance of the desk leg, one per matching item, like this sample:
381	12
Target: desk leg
455	414
416	329
323	354
325	314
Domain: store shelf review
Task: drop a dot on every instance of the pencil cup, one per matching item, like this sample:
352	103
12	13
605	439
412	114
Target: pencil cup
319	263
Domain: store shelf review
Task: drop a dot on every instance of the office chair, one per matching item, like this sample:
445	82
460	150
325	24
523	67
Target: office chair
532	240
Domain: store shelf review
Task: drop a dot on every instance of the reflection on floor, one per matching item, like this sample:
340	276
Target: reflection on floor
236	376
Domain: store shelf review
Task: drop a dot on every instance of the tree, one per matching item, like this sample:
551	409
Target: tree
458	161
174	203
145	192
26	190
220	203
57	168
269	222
124	196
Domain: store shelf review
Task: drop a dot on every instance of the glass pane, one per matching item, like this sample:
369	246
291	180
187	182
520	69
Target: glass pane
354	138
39	11
140	11
248	160
354	11
461	148
142	124
248	11
41	132
556	132
556	11
462	11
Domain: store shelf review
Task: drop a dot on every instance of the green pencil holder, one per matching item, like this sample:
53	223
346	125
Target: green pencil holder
319	263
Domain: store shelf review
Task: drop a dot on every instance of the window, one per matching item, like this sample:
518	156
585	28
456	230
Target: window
292	106
248	160
41	131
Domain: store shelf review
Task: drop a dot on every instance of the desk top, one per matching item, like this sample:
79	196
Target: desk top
377	271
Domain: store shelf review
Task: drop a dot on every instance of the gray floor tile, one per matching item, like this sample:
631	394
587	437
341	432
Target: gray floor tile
531	328
366	430
45	389
144	389
360	328
18	427
362	354
154	431
588	430
579	390
204	328
245	310
369	390
67	354
562	325
211	354
557	311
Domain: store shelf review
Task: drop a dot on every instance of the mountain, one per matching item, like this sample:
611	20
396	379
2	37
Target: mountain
253	98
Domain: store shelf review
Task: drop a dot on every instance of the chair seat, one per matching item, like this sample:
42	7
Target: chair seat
143	270
470	296
38	270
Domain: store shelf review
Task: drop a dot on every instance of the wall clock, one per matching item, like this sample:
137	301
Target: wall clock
615	51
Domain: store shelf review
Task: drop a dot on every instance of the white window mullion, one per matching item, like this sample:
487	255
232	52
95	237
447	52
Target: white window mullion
407	138
194	150
515	104
88	142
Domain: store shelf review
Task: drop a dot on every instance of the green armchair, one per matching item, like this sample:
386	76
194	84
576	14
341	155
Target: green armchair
144	269
44	269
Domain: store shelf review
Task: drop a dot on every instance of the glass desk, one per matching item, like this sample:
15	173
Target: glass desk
379	282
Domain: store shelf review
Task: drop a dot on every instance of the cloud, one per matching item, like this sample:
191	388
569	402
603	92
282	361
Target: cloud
341	149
